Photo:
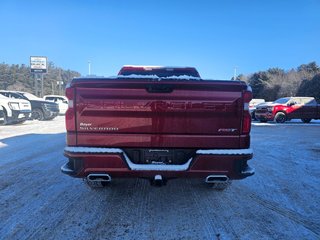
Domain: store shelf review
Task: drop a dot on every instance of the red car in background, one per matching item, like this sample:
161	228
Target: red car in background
283	109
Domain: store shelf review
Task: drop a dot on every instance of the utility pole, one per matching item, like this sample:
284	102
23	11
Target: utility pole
89	66
37	78
42	86
60	81
235	73
38	66
52	86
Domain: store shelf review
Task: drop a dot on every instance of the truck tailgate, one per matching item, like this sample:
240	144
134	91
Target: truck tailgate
159	114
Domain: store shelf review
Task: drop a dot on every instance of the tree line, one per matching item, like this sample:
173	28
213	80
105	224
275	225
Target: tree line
19	77
270	85
275	83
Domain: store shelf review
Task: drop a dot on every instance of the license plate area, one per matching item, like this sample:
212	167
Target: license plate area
160	156
155	156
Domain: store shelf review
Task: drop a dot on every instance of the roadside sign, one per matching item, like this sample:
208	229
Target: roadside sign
38	64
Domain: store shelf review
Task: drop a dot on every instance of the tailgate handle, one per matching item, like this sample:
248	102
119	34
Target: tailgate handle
163	88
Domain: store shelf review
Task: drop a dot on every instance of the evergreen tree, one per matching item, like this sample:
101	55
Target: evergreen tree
310	88
19	78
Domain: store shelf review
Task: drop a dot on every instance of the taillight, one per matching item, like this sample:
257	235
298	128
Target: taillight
246	123
70	114
246	120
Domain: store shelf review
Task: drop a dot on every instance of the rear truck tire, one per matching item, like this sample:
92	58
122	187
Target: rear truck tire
37	114
219	186
306	120
52	117
253	115
5	119
280	117
95	184
21	122
49	118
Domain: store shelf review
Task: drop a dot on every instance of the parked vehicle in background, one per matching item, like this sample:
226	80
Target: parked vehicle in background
283	109
14	110
41	109
158	123
62	101
252	106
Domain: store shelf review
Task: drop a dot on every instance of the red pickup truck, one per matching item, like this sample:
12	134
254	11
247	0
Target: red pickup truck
158	123
283	109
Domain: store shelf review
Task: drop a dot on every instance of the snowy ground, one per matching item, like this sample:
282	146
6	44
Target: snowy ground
280	202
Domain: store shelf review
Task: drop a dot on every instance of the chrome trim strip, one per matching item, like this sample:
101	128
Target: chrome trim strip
92	150
225	151
132	166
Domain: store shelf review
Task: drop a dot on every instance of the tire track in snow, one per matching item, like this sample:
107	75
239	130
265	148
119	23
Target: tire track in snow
296	217
30	150
33	166
77	218
141	185
51	216
222	207
116	222
209	224
22	185
29	216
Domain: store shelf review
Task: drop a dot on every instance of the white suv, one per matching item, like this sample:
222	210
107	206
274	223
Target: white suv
62	101
14	110
252	106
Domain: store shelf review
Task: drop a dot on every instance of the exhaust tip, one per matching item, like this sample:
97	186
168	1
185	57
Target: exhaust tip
217	179
99	177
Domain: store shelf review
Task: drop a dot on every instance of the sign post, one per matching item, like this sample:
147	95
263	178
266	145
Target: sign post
38	66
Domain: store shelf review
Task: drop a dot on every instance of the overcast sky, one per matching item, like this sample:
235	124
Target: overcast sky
213	36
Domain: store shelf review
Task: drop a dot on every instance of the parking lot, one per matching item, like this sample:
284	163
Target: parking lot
281	201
